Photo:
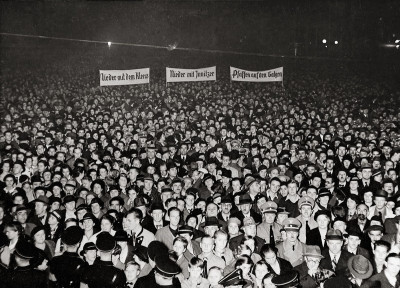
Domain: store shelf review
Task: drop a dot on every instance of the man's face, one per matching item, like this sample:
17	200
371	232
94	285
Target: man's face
322	221
291	236
380	202
174	218
245	208
366	174
130	222
250	230
179	248
380	253
312	262
157	215
353	242
226	207
375	236
275	185
335	246
207	245
269	218
306	211
22	216
40	208
393	266
212	210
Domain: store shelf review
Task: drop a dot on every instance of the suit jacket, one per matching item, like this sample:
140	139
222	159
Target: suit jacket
235	242
360	251
314	238
306	281
146	163
380	278
302	232
283	264
373	185
165	235
341	267
389	213
35	220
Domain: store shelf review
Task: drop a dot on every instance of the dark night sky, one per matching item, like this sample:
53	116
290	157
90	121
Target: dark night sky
249	26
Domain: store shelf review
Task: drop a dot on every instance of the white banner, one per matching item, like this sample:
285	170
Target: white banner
124	77
257	76
191	75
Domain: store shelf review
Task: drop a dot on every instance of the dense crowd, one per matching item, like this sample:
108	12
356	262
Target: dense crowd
202	185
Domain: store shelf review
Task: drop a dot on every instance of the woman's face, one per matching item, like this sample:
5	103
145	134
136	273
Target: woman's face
11	233
106	225
40	237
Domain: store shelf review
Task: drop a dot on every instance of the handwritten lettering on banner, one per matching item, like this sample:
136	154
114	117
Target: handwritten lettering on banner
191	75
257	76
124	77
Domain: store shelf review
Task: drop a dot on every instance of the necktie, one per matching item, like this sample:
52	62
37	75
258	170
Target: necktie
307	229
271	236
334	262
293	247
205	274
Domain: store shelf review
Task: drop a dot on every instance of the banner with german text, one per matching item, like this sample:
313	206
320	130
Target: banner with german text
257	76
191	75
124	77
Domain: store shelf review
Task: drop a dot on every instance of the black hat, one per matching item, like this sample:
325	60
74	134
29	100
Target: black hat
88	246
234	278
287	279
88	216
227	199
121	236
245	199
166	267
36	230
105	242
324	192
72	235
156	248
98	201
69	198
325	212
25	250
82	207
381	193
156	206
141	252
57	214
186	229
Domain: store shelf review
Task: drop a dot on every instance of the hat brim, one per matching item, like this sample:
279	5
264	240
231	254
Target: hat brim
334	237
358	275
314	255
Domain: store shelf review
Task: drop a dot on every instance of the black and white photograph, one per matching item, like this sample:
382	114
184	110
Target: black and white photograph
200	144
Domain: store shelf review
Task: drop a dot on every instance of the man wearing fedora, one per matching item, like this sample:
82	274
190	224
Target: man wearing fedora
317	236
249	229
360	270
335	258
310	273
245	204
380	209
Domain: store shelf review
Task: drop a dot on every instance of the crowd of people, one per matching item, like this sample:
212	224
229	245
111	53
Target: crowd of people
198	185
